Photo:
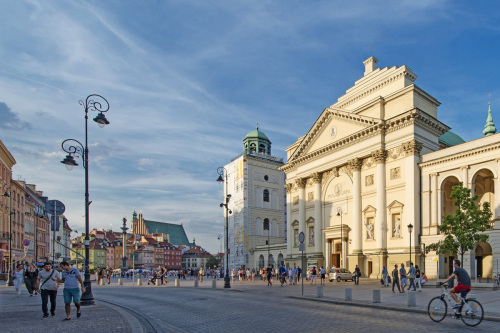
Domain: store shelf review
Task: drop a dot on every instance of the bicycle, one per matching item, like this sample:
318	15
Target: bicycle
470	310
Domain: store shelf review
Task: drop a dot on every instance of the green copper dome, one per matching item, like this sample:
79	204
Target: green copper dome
257	142
489	128
256	134
451	139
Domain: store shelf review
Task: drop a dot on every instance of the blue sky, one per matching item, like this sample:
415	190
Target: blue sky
187	80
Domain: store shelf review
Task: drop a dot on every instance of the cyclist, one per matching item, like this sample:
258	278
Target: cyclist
463	287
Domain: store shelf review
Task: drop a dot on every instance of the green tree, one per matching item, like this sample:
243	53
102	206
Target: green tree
212	262
466	227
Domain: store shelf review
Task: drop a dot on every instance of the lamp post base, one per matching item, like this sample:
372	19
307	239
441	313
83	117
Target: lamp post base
227	283
10	282
87	297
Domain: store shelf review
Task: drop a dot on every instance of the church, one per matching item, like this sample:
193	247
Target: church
370	182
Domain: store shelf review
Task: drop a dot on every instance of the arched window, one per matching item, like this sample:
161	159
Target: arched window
266	224
265	196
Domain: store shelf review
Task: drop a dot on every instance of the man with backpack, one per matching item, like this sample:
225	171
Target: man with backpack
48	289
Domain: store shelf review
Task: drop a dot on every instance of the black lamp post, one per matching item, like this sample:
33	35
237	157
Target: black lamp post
76	148
124	257
221	171
339	213
10	282
410	229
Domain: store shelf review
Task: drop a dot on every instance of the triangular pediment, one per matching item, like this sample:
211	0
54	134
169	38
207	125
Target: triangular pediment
333	126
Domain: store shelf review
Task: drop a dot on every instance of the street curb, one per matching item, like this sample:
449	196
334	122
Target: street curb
131	321
365	304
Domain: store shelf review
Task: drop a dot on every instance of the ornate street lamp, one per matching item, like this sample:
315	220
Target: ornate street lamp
339	213
10	282
223	173
74	148
124	257
410	229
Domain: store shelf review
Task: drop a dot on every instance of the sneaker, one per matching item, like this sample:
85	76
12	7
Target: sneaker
45	316
52	313
78	314
456	306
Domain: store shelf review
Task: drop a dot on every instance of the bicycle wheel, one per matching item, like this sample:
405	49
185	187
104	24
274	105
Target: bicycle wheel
437	309
472	313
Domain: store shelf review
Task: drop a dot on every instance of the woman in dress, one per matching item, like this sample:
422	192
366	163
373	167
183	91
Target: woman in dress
18	276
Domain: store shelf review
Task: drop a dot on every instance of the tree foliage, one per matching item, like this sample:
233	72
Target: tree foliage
212	262
466	227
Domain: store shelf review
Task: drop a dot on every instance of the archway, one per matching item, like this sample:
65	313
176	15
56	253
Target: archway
447	201
280	260
484	260
483	186
261	261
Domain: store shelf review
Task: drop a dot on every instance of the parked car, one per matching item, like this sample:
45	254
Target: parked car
340	274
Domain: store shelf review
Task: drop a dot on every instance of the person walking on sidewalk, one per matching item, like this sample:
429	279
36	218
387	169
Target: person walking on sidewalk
357	274
404	280
412	272
71	278
418	280
270	275
322	273
395	278
18	276
48	289
109	272
30	275
384	276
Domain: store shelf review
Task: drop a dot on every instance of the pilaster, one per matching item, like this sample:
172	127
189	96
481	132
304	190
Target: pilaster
355	165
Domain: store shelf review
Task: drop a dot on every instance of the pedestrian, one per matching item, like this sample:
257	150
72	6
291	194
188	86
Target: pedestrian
418	280
322	273
308	274
282	273
18	276
30	275
412	272
240	275
269	275
395	278
48	289
253	274
357	274
384	276
404	280
313	275
71	278
202	272
295	272
100	274
233	275
299	272
109	271
290	276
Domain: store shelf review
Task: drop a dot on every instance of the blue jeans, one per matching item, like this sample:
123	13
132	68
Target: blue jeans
356	279
45	300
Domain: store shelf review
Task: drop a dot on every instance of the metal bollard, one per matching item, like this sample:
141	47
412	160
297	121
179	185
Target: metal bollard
376	296
319	291
120	282
348	294
157	282
101	282
196	282
411	298
139	282
177	283
214	284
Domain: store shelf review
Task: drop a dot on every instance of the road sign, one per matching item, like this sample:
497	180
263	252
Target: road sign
55	207
302	247
302	237
26	242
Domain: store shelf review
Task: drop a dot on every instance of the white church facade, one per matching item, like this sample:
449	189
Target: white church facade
377	161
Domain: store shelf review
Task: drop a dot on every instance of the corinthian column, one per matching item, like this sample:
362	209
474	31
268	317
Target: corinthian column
301	184
412	188
289	229
355	165
318	221
380	156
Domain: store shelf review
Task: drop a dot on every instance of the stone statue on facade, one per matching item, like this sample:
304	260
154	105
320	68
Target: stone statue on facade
397	228
369	230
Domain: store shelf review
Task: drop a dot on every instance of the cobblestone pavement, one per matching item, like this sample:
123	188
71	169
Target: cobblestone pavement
24	315
253	305
131	308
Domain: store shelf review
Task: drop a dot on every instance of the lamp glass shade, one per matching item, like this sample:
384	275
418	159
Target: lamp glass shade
220	179
101	120
410	227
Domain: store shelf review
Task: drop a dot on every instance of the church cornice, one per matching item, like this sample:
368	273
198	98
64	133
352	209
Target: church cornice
399	74
466	154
